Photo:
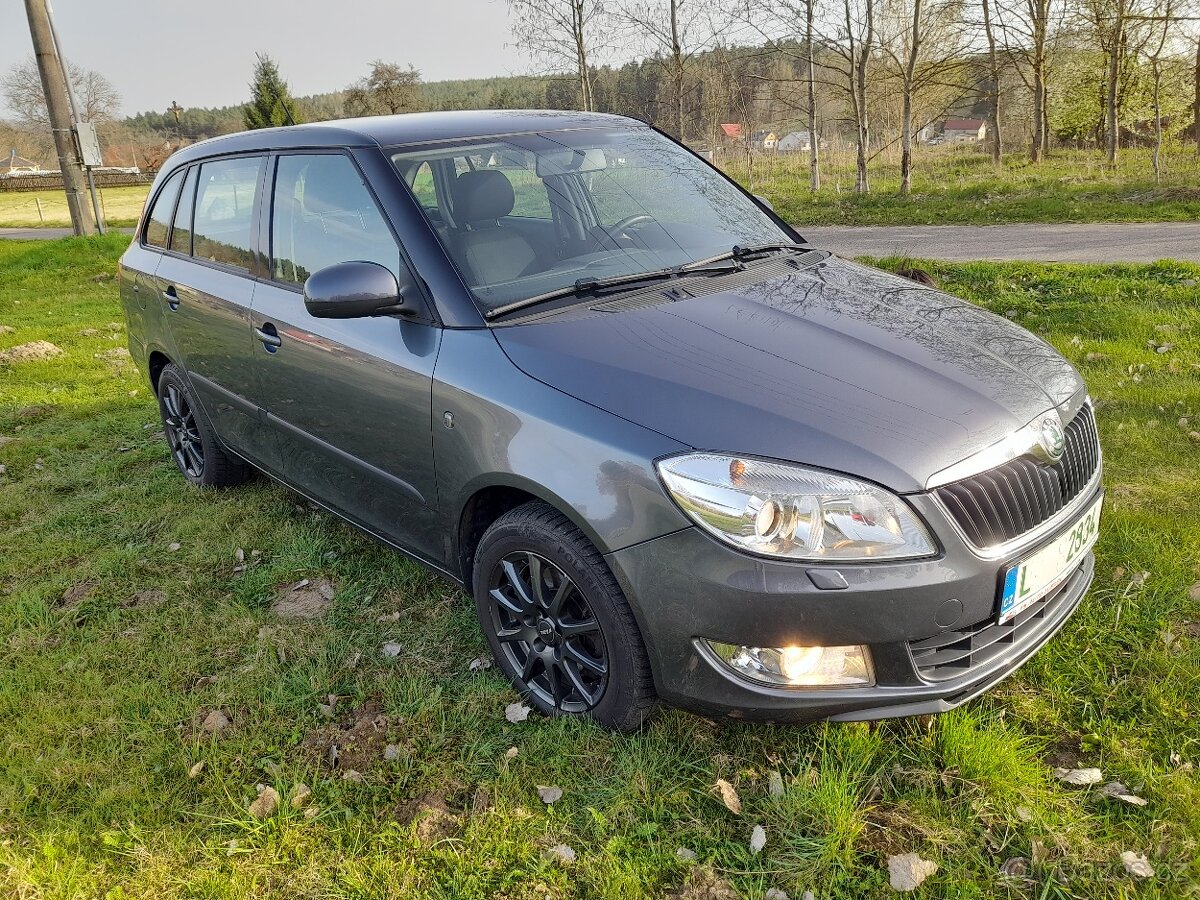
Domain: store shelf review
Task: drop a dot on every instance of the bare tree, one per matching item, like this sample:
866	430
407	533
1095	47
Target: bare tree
22	88
993	113
784	24
856	45
671	32
926	43
1029	28
387	90
562	33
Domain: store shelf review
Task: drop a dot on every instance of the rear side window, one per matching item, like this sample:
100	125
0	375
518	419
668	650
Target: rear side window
158	223
181	232
323	214
224	218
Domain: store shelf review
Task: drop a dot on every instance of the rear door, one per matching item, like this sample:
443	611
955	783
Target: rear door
349	400
205	284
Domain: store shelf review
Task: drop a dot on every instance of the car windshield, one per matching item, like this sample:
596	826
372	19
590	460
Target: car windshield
533	214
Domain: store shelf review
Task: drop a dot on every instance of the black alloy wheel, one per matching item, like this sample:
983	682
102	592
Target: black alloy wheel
548	632
194	445
557	621
183	433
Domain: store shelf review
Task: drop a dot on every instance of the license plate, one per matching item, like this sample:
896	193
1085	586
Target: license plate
1038	575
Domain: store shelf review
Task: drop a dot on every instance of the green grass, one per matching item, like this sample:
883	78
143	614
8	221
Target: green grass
99	694
959	186
121	207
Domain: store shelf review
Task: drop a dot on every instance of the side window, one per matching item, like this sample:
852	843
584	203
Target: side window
158	223
224	217
323	214
531	201
181	231
423	187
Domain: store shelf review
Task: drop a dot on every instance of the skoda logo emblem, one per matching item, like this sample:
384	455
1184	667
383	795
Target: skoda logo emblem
1053	441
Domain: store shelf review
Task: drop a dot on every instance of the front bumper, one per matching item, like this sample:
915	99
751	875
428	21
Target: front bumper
686	586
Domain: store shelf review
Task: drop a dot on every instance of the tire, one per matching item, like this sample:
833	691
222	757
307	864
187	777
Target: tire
550	640
193	444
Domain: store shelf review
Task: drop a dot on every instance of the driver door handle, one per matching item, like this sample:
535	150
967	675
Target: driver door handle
269	336
171	296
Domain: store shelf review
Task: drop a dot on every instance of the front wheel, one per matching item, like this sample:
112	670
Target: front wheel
193	443
557	622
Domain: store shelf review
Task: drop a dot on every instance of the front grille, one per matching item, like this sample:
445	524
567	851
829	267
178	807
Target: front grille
951	653
1003	503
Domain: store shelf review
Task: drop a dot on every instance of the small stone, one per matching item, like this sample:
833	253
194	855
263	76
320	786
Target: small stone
174	546
686	855
758	839
1115	790
560	853
265	804
353	775
516	712
195	770
549	793
311	812
1136	864
391	649
907	871
215	721
775	894
391	752
1079	777
300	795
479	664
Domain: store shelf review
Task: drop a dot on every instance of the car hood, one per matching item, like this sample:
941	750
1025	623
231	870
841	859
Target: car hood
836	365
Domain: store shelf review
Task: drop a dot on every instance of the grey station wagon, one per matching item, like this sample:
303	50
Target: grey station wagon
672	450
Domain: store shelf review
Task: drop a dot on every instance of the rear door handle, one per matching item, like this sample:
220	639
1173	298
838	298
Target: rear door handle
171	296
269	337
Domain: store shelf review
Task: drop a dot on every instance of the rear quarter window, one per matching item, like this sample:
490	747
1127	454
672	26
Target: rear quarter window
226	197
158	221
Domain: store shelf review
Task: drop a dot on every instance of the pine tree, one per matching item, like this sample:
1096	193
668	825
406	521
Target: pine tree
271	104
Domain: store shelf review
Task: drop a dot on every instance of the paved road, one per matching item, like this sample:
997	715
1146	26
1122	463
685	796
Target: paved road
1145	242
1048	243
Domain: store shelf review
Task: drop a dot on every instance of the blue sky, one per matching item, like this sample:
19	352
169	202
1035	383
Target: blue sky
201	53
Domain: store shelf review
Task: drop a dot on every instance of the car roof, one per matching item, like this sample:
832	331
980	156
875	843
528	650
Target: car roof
408	128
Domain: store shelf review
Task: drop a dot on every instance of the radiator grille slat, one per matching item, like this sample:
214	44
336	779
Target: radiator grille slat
1002	504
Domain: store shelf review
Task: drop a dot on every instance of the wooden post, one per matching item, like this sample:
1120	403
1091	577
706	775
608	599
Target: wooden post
54	86
41	218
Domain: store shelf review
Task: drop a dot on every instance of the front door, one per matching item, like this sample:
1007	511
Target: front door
205	286
349	400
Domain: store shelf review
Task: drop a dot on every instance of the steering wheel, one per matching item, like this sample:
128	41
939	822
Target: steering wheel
617	229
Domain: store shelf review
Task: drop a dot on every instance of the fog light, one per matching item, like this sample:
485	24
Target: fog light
795	666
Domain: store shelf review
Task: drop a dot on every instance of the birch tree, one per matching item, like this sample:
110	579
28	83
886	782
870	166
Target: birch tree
564	34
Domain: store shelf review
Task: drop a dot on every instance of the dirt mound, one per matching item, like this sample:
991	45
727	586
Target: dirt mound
31	352
304	600
705	884
355	744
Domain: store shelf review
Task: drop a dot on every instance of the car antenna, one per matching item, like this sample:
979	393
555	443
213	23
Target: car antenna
287	112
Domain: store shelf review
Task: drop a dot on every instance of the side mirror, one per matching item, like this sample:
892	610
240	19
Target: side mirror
765	202
354	290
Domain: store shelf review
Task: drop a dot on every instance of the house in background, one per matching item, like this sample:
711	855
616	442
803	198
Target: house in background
763	140
732	131
796	142
18	165
963	131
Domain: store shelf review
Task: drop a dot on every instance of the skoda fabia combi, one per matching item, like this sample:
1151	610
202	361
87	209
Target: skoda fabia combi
673	451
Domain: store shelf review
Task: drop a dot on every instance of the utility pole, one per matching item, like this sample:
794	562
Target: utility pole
58	105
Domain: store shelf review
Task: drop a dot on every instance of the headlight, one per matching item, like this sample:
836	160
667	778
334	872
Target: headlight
792	512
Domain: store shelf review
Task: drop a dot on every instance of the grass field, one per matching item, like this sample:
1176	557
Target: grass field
121	207
959	186
132	607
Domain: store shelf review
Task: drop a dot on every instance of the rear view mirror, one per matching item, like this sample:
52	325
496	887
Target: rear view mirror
570	162
353	290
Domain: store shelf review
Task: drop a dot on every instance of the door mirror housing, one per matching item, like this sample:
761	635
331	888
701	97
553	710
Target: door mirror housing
354	290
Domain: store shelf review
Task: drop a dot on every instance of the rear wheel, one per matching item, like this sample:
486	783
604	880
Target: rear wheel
193	443
557	622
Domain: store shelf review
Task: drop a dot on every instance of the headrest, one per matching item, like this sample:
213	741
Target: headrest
481	195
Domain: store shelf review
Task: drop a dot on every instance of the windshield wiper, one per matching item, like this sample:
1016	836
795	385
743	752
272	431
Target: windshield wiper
598	287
